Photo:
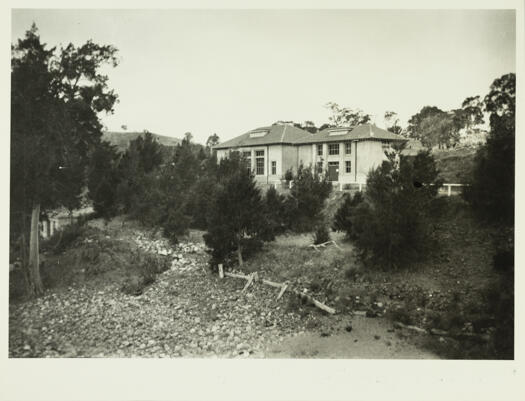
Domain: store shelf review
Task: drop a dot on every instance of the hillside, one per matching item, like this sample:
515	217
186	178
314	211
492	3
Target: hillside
122	139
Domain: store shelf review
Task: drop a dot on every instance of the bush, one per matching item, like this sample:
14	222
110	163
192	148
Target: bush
491	193
103	180
288	175
236	221
306	200
499	300
391	227
321	234
352	273
65	237
146	267
275	211
345	214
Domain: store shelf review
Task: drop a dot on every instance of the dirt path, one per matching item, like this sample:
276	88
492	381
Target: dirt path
189	312
369	339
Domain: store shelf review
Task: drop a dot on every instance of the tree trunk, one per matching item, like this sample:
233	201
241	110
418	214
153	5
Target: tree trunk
34	262
239	252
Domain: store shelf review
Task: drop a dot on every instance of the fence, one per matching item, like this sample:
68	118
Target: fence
451	189
448	189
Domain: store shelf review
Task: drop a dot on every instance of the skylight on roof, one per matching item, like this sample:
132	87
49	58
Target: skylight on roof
258	134
339	131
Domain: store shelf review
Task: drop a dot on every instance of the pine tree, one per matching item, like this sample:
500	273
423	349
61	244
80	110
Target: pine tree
103	180
306	200
236	218
491	192
55	100
392	225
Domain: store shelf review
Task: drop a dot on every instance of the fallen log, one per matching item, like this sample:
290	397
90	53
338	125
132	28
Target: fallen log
335	243
283	286
271	283
314	301
323	245
399	325
283	289
251	278
438	332
235	275
323	307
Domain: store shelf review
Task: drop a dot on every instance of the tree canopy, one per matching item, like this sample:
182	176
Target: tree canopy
56	98
345	116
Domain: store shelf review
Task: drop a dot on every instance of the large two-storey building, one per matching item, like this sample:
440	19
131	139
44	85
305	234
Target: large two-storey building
345	154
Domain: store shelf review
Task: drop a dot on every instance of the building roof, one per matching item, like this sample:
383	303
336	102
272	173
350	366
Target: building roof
288	134
274	134
359	133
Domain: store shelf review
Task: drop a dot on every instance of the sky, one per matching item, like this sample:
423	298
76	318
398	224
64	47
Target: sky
229	71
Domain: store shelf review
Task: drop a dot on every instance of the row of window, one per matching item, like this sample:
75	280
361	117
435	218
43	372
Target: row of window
333	149
259	162
348	166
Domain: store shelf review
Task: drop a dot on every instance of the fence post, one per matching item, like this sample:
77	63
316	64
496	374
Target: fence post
221	272
360	187
449	189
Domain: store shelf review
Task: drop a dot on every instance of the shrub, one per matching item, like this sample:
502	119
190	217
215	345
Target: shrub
275	211
236	221
65	237
392	225
146	267
499	300
306	200
491	193
103	180
352	273
345	214
321	234
288	175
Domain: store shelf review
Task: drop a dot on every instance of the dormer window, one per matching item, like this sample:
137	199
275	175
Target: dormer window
258	134
338	131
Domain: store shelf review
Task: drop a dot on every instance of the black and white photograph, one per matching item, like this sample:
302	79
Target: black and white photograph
262	184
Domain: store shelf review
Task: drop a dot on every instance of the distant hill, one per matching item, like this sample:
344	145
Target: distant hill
121	139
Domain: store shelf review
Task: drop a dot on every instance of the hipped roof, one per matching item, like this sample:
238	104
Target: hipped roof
287	134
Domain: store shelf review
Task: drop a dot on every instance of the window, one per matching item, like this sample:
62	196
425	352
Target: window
348	166
257	134
333	149
320	150
259	162
340	131
274	167
348	148
248	156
